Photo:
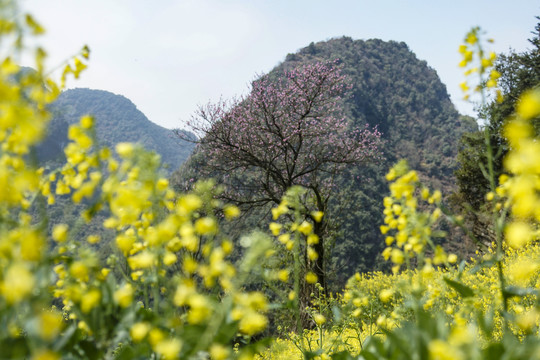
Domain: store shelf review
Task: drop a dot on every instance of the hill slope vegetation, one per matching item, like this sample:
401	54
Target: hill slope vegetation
119	120
404	98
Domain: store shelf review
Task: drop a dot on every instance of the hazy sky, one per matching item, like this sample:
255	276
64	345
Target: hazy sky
169	56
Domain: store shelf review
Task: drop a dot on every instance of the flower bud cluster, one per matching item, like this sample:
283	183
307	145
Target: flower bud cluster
297	235
522	186
477	61
408	229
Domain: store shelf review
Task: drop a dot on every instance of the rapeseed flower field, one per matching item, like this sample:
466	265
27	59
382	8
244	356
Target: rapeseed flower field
171	290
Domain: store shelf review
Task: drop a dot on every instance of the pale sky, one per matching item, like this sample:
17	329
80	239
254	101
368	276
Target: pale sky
169	56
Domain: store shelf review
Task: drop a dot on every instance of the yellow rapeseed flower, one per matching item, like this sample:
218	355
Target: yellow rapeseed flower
527	320
142	260
200	308
305	228
319	319
188	203
219	352
169	258
125	150
317	215
312	254
252	323
44	354
528	106
79	271
50	324
281	209
139	331
284	238
90	300
18	283
522	271
169	349
124	295
397	256
291	296
311	278
518	234
283	275
441	350
206	226
125	242
275	228
60	232
312	239
93	239
162	184
386	295
32	244
87	122
231	212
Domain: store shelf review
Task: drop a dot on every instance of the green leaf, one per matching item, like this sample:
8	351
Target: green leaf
65	338
510	291
336	312
308	355
494	351
483	264
486	323
462	289
90	350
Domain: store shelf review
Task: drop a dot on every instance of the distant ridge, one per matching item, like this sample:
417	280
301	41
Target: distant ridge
119	120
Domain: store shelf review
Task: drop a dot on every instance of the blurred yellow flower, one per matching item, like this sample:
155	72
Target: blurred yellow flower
125	150
59	232
311	278
90	300
528	106
231	212
305	228
124	295
518	234
275	228
319	319
43	354
169	349
252	323
50	324
386	295
139	331
219	352
206	226
317	215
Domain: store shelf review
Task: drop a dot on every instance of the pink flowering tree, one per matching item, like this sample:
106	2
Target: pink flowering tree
287	131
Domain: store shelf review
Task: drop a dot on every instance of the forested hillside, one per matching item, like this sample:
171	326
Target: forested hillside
119	120
405	100
401	95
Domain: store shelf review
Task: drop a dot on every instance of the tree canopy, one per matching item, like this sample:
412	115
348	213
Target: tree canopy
288	131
